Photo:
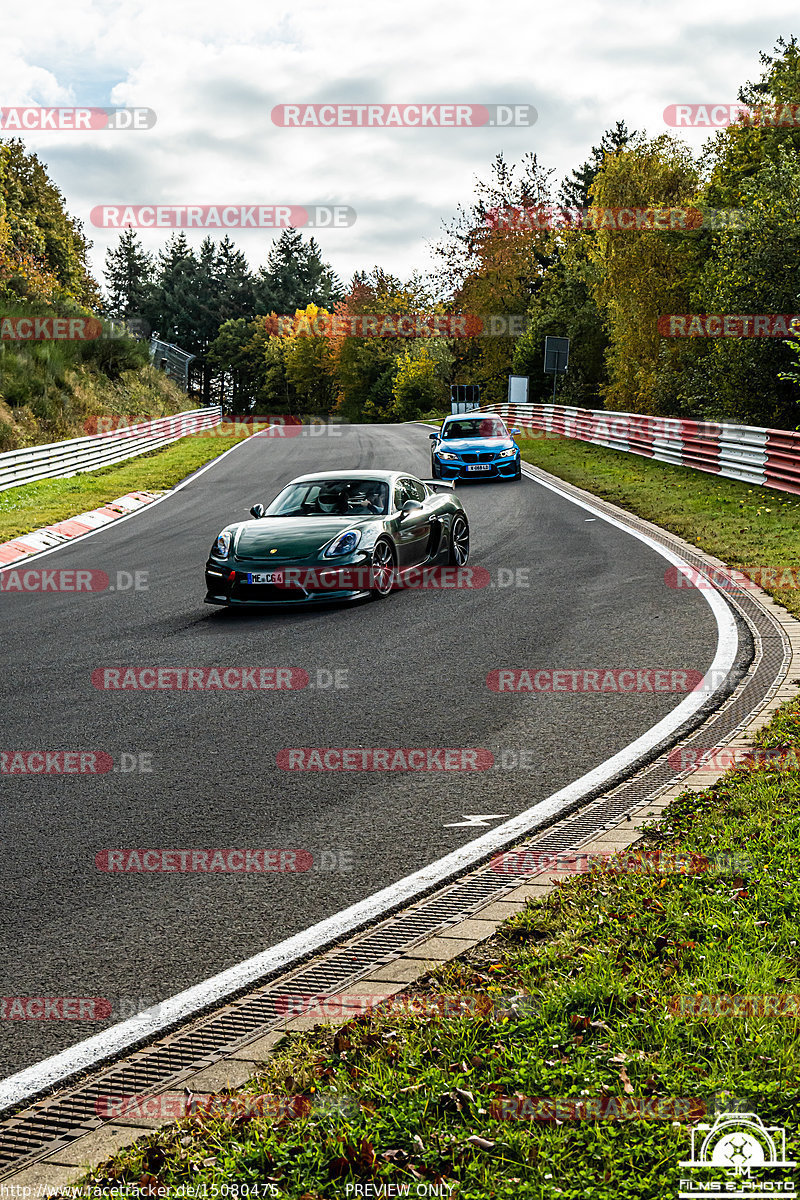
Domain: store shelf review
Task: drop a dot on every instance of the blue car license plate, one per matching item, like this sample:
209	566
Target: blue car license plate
265	577
480	467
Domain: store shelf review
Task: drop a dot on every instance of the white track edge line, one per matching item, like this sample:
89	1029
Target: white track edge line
48	1073
19	563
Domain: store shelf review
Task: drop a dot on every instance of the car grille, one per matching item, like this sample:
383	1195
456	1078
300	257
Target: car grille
267	591
484	456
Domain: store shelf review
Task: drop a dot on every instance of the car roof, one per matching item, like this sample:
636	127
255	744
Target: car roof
378	476
473	415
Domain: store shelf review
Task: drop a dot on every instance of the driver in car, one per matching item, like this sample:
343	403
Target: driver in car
368	500
332	500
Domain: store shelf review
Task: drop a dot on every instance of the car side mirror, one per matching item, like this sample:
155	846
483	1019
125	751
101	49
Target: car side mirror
257	511
514	432
434	437
409	507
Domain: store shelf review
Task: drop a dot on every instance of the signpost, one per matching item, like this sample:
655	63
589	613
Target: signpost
556	358
464	397
518	389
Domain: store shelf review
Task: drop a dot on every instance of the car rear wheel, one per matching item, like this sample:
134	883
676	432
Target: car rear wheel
384	570
459	542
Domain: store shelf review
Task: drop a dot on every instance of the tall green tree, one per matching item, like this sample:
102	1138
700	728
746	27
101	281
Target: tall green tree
576	187
491	263
755	270
565	306
128	273
295	276
235	283
45	245
639	275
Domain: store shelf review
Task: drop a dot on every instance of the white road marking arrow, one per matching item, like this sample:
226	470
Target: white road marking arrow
475	821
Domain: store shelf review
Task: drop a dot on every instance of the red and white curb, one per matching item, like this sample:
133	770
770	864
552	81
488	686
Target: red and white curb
55	535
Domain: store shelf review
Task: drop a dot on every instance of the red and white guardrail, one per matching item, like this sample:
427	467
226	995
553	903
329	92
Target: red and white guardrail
752	454
58	460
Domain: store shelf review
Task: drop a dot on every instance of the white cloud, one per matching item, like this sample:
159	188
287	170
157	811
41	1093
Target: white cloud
213	74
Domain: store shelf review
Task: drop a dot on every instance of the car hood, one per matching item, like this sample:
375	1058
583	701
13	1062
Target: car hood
290	539
459	445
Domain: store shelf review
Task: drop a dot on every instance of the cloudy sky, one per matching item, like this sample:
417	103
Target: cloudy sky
213	74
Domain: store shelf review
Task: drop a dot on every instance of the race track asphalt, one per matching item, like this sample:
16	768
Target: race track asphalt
416	667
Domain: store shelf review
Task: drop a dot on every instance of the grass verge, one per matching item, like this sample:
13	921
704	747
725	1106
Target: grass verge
744	525
36	504
589	987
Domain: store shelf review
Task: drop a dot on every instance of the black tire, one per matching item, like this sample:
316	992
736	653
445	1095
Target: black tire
458	552
383	570
519	471
435	474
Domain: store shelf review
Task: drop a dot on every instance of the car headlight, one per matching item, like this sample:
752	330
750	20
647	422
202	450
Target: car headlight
444	454
508	453
345	543
222	545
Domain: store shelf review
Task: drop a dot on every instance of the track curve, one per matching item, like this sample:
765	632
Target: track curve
416	669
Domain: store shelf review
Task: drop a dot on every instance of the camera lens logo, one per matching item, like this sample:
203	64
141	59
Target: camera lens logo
738	1143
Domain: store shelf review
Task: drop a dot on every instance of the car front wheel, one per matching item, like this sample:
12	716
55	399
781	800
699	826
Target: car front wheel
459	542
384	570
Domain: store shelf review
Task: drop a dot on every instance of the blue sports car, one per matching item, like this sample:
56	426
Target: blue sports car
475	446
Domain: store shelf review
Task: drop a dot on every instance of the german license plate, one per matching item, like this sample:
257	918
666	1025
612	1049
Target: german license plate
265	577
480	467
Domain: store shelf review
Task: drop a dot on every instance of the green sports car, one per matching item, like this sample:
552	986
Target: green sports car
338	535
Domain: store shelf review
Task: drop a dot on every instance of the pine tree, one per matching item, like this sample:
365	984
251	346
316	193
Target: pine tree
574	191
236	291
128	273
175	300
295	276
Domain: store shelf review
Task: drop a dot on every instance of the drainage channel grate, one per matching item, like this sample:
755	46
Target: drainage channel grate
57	1120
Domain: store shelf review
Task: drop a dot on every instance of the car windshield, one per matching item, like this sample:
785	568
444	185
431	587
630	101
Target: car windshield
484	428
332	498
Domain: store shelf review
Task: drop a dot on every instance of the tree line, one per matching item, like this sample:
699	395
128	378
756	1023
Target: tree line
602	286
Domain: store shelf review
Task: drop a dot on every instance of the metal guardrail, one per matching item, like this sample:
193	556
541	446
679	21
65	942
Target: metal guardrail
749	453
58	460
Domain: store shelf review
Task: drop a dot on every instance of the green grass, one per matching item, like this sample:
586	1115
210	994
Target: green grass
36	504
584	981
744	525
